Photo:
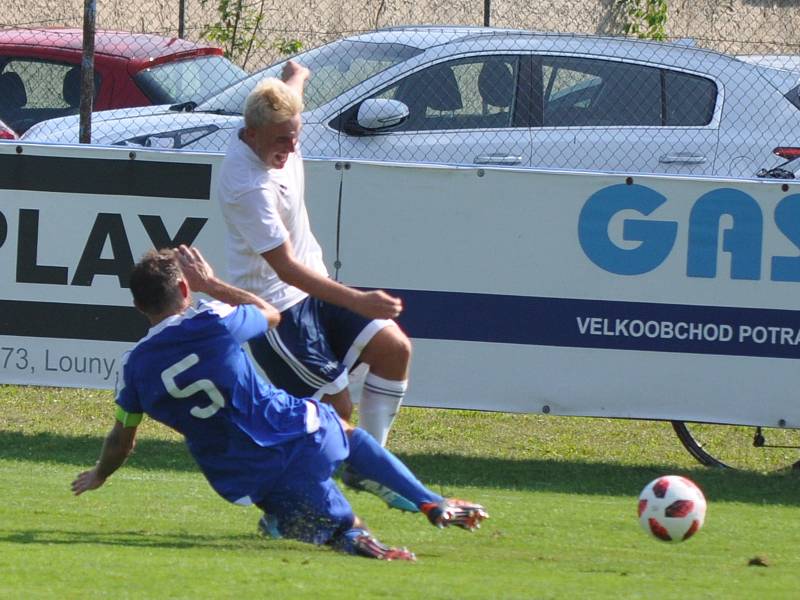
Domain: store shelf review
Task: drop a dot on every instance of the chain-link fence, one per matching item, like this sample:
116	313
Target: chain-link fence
565	89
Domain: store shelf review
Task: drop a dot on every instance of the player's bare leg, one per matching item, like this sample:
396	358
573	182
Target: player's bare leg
342	403
388	353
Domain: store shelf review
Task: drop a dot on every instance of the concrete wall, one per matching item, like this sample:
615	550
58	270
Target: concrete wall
736	26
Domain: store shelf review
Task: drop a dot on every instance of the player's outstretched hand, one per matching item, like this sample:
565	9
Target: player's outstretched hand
294	72
377	304
196	270
88	480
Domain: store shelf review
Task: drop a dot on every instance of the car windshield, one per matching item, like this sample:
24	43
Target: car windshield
193	79
335	68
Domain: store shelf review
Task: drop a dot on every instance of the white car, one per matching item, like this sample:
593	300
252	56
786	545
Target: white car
481	96
787	62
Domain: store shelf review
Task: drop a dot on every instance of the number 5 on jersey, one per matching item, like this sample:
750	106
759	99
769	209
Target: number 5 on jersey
168	376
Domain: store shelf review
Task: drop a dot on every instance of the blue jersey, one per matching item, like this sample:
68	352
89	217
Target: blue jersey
191	373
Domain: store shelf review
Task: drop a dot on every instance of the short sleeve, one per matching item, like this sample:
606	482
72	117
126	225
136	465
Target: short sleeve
126	397
255	216
245	322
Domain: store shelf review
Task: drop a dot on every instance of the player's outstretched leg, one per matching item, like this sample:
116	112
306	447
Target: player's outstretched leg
358	482
452	511
361	542
373	462
377	463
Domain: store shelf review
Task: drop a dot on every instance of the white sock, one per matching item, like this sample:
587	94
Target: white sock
380	401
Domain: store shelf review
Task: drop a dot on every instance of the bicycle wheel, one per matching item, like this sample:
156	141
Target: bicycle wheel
741	446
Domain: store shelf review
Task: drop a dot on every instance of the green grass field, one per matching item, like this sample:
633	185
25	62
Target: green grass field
561	493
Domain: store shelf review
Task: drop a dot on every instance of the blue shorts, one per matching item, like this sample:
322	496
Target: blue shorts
306	502
314	347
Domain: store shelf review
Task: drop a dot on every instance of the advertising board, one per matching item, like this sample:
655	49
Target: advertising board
586	294
560	293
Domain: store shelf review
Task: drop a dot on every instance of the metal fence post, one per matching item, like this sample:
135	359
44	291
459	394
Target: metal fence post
487	13
181	18
87	71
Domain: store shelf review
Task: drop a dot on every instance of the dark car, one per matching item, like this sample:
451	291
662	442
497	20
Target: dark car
40	72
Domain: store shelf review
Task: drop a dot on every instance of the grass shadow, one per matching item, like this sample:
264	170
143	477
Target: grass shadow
82	451
184	540
447	471
598	478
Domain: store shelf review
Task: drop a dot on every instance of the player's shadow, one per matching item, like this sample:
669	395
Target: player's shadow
82	451
142	539
446	472
122	538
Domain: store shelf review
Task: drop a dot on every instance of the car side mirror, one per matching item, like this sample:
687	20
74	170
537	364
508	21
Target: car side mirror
380	114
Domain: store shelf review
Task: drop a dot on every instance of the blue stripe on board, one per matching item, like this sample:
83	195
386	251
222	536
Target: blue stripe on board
600	324
491	318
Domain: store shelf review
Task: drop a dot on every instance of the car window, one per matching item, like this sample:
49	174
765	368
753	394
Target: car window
189	79
335	67
474	93
690	99
597	93
35	90
43	82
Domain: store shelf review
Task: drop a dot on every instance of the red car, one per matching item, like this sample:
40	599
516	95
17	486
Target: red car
6	133
40	72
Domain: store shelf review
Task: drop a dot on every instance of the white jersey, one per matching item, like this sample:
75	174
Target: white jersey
262	209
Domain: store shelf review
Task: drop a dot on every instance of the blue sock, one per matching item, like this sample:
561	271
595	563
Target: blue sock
345	542
370	460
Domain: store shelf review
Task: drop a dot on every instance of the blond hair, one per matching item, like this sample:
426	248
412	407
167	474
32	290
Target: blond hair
271	101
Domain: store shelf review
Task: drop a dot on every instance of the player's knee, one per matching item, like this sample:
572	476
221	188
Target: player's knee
394	347
388	354
404	349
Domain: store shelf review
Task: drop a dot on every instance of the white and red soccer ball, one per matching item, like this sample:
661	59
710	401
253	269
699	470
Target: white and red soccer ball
672	508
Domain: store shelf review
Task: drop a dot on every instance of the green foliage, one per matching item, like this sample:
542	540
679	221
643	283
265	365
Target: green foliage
288	46
645	19
238	27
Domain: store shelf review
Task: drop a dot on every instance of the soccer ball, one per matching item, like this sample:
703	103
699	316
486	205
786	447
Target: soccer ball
672	508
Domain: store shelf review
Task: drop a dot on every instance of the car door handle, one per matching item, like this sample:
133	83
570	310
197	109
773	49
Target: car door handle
686	159
498	159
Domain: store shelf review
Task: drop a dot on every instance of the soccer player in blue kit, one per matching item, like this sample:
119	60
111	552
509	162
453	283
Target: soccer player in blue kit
254	443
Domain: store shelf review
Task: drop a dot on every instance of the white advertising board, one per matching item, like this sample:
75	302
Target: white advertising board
72	222
562	293
584	294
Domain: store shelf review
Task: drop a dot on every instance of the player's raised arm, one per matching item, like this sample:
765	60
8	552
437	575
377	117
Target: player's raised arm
117	447
200	277
295	76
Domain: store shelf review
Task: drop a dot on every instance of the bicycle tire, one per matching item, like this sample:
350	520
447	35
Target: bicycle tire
695	448
734	447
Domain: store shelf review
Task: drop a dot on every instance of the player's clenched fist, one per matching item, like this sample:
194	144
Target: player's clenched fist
377	304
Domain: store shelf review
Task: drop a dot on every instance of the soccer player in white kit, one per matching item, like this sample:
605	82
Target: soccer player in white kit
326	328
